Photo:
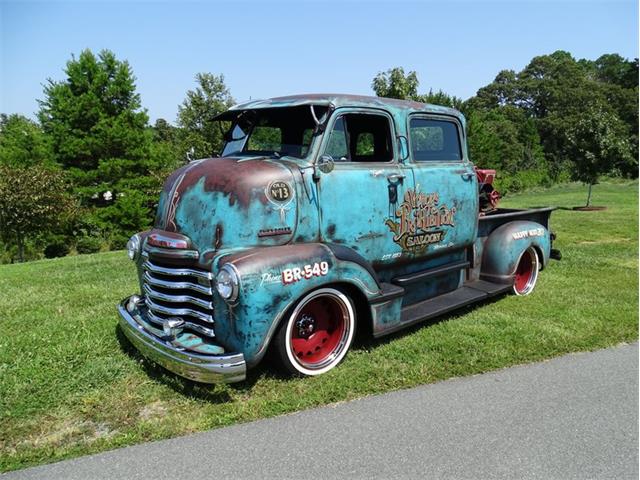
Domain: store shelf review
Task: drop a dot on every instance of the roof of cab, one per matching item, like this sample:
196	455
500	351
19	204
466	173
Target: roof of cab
345	100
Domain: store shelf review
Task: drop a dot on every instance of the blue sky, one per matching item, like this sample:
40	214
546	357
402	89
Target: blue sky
267	49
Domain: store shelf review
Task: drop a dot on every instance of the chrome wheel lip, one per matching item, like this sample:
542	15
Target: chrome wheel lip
341	348
533	278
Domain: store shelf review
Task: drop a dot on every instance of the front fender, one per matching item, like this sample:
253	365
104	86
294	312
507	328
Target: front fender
272	279
505	245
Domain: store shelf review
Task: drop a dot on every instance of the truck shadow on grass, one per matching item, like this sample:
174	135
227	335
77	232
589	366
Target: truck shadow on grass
195	390
268	368
365	340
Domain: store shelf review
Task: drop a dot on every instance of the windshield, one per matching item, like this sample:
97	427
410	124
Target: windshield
272	131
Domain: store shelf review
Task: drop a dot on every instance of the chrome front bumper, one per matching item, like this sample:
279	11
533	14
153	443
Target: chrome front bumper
226	368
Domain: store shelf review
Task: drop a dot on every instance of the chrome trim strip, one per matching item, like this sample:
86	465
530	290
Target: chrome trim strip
209	332
176	298
177	285
178	312
201	368
168	253
152	267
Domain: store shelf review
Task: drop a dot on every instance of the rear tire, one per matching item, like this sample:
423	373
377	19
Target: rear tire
526	275
317	334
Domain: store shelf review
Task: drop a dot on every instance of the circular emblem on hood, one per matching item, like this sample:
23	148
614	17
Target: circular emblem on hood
280	192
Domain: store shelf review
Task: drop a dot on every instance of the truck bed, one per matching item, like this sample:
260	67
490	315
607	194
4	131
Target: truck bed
492	220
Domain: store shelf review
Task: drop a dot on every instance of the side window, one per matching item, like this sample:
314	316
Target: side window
337	145
361	137
433	140
364	144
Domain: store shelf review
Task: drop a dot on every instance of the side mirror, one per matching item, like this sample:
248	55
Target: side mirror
326	164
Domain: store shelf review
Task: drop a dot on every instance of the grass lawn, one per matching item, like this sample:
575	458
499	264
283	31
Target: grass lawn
69	385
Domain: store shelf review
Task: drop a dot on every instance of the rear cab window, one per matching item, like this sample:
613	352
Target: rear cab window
434	140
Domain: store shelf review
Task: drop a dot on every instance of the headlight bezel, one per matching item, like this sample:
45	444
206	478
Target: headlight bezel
229	278
133	247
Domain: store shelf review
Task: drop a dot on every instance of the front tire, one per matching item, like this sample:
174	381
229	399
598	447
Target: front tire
317	334
526	275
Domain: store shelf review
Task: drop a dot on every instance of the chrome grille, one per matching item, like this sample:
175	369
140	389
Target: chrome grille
171	291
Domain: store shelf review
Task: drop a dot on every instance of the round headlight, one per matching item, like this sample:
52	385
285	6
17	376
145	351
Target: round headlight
133	247
228	283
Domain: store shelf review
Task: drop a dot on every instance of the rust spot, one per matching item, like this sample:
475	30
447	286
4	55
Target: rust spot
331	229
259	259
218	236
235	178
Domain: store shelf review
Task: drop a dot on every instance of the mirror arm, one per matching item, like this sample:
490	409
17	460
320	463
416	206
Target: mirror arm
315	175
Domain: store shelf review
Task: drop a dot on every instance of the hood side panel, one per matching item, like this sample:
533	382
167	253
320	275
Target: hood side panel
224	202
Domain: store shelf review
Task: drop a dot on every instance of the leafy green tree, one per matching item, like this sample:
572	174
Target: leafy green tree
22	142
98	132
556	91
597	142
505	140
163	131
395	84
197	131
33	201
614	69
441	98
94	118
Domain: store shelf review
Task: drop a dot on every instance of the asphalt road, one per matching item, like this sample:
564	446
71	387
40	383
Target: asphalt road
571	417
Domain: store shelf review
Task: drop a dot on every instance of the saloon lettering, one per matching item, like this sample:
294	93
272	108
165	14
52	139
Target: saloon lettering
418	219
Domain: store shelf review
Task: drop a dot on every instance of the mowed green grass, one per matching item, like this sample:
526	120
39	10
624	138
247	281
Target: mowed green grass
70	386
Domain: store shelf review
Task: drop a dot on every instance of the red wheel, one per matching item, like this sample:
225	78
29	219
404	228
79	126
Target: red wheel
526	274
318	333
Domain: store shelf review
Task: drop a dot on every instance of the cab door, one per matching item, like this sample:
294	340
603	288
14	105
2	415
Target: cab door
362	193
444	202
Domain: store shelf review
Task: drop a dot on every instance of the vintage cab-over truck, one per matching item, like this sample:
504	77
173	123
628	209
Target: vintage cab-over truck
322	213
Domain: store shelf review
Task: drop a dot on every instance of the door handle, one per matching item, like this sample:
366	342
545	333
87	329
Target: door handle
467	175
395	178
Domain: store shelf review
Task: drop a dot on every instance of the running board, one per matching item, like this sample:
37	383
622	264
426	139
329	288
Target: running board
388	292
431	272
467	294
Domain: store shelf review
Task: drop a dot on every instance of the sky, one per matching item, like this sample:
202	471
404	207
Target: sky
272	48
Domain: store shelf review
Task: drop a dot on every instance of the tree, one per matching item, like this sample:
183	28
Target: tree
556	91
614	69
98	132
395	84
22	142
95	121
505	140
596	142
33	201
210	98
441	98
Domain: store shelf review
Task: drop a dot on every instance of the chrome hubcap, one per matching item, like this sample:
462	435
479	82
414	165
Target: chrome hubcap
306	325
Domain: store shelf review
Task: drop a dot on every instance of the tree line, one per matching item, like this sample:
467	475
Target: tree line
87	174
559	119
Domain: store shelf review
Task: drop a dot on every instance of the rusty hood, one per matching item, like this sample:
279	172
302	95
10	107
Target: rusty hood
230	202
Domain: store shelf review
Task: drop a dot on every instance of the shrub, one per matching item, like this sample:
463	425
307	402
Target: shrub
57	247
88	245
522	180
